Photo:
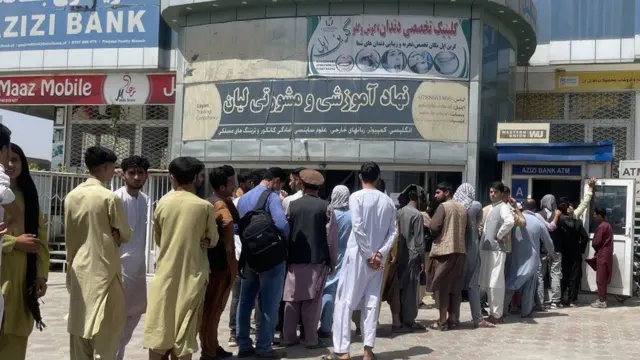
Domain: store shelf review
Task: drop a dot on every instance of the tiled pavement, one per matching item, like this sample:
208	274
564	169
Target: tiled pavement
582	333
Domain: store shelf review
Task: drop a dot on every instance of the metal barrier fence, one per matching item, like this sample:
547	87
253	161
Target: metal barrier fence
53	188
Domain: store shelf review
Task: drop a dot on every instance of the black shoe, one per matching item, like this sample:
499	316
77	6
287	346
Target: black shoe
358	332
485	312
232	341
247	353
324	335
222	353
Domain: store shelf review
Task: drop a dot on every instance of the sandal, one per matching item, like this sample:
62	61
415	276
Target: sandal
439	326
369	355
484	324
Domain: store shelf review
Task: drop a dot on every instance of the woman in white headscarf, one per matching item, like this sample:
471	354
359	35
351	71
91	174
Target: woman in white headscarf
340	205
465	195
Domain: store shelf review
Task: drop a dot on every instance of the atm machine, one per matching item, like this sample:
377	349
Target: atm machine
563	169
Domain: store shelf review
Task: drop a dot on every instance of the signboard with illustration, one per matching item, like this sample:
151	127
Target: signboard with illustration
78	24
327	109
389	46
121	89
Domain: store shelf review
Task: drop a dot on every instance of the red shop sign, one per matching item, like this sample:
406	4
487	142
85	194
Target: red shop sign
122	89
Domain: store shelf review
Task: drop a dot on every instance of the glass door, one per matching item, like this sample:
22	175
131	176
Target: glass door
617	197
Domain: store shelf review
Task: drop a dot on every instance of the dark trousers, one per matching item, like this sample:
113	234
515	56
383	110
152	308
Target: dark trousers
235	297
571	278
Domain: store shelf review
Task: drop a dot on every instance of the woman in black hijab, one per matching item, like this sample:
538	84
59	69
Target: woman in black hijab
25	264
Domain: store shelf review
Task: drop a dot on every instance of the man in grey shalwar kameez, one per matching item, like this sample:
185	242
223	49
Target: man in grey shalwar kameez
410	260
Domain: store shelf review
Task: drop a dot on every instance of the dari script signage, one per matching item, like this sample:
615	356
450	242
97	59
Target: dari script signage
389	46
327	109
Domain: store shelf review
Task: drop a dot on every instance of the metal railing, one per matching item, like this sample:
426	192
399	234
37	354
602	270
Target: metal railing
53	188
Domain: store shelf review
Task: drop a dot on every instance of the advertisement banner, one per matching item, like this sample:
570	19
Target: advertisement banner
121	89
327	109
389	46
589	81
78	24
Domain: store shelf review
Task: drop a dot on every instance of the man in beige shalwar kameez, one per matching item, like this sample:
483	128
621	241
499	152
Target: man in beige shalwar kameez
184	226
96	225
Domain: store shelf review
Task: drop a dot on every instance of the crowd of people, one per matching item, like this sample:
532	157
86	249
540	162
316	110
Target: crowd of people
305	266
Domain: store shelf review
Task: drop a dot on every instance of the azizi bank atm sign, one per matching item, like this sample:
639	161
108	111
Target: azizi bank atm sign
78	24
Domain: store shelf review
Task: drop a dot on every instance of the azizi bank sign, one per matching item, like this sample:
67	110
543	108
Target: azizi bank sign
78	24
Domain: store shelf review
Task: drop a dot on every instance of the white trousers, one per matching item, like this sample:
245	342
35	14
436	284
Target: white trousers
358	288
492	266
127	333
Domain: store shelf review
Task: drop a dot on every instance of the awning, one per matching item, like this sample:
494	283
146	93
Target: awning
601	152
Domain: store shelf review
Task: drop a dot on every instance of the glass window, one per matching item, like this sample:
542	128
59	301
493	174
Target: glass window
614	200
543	32
561	21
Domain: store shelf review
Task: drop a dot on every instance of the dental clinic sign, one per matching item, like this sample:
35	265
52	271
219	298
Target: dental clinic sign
78	24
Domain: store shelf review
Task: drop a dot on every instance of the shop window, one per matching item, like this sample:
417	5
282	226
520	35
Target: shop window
139	130
120	139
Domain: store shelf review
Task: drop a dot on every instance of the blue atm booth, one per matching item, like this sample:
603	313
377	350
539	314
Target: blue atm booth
562	169
554	168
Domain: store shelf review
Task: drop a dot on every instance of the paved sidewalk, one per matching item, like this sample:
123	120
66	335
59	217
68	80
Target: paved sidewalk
584	333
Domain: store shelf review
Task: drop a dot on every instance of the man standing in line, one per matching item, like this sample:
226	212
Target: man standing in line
549	211
184	227
495	244
522	275
132	255
373	217
222	262
312	255
602	262
252	177
96	225
296	185
245	183
410	261
448	228
269	283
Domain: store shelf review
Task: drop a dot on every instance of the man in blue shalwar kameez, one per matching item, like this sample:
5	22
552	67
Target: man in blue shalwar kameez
525	255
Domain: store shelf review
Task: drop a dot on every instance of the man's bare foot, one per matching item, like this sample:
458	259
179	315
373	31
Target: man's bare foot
368	353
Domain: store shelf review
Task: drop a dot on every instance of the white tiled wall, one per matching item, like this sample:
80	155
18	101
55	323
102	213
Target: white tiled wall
125	58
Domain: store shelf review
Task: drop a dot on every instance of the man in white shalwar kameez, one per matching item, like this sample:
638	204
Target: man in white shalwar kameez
495	244
132	254
373	218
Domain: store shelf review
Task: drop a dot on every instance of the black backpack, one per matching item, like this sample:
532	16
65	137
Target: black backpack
262	245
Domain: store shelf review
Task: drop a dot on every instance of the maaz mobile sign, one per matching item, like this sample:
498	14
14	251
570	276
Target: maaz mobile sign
78	24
